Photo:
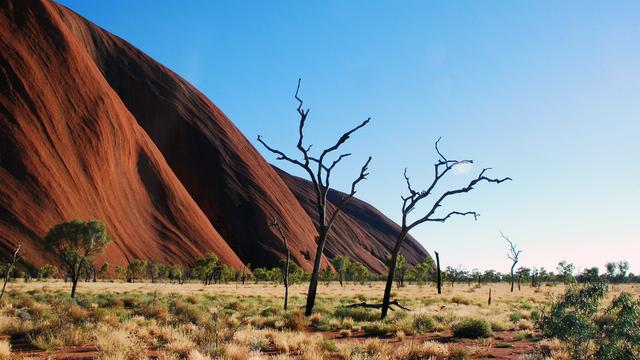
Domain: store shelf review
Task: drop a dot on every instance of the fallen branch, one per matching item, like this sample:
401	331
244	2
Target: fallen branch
378	306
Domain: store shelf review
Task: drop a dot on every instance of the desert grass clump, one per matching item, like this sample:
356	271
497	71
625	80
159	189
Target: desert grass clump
119	344
328	345
426	350
460	300
458	352
188	312
77	314
378	328
295	321
158	312
423	323
499	325
471	328
357	314
5	350
315	319
375	347
524	325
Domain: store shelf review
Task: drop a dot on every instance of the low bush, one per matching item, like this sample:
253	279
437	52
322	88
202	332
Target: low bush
295	321
589	331
460	300
471	328
423	323
378	328
357	314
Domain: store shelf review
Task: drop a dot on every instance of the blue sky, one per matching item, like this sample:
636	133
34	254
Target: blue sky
546	92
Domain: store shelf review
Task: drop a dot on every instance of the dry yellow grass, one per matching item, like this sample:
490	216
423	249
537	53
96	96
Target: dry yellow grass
188	321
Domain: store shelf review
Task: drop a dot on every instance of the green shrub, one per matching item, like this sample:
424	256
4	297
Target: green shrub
423	323
515	317
357	314
378	328
328	345
188	312
471	328
591	332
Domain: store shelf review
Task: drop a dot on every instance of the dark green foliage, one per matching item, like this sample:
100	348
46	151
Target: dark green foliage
357	314
472	328
423	323
75	243
590	332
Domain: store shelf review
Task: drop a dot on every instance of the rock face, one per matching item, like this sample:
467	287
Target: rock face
91	127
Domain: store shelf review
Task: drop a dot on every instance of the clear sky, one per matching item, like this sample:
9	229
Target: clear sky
546	92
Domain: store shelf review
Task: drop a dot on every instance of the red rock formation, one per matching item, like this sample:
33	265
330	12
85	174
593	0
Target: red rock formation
360	231
93	128
70	148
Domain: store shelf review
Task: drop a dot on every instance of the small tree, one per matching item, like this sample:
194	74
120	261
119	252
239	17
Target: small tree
319	171
454	274
411	201
9	267
611	270
623	268
423	271
341	263
206	268
565	272
326	275
358	272
104	268
76	243
401	269
513	255
122	273
136	268
47	271
275	224
153	270
176	272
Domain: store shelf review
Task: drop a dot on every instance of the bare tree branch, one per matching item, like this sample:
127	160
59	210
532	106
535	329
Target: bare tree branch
320	177
481	177
441	167
443	219
363	175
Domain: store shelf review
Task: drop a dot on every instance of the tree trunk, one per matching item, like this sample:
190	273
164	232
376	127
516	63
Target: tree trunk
512	279
286	277
340	275
392	272
313	284
5	280
519	279
74	285
439	273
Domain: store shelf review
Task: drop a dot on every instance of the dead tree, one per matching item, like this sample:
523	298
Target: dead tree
409	203
275	224
9	268
439	273
319	170
513	255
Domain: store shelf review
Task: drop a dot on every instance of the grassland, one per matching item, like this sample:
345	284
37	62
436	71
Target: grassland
234	321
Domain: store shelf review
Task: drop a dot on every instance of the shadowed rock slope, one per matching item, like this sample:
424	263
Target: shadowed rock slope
91	127
360	231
